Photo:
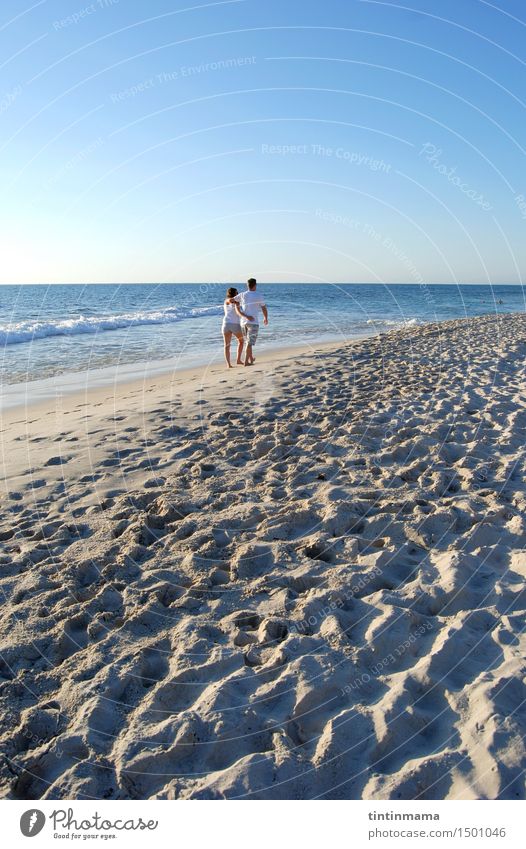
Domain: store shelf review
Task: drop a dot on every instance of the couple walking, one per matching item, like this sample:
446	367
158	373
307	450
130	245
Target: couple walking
241	320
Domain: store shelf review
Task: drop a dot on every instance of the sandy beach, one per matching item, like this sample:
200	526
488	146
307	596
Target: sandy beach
295	581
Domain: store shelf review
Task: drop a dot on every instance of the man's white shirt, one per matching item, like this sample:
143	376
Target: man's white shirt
251	303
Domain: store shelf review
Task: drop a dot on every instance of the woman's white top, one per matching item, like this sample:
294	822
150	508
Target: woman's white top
231	316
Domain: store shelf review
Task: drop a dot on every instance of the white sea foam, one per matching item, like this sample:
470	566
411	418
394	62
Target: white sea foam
398	323
26	331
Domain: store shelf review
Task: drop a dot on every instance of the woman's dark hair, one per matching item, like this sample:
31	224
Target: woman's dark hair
231	293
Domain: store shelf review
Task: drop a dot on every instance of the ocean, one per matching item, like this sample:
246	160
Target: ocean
59	331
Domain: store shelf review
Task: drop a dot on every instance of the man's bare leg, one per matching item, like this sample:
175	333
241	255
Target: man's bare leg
248	355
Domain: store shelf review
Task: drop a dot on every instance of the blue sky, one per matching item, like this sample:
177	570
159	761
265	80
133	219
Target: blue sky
295	141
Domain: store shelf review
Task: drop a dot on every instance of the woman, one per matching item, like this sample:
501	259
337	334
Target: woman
232	325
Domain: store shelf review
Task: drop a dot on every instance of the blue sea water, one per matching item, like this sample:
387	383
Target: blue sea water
48	331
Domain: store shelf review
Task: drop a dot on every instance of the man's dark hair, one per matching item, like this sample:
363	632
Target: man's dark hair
251	282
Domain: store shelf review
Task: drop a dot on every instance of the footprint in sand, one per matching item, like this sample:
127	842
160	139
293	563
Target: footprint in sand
58	461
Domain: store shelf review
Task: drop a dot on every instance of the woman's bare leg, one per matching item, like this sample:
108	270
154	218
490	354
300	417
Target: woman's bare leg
227	335
239	349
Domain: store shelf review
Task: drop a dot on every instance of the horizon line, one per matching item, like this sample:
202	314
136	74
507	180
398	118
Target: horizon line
266	283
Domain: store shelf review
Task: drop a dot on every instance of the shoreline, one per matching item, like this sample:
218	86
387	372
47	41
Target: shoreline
98	381
303	580
13	396
62	352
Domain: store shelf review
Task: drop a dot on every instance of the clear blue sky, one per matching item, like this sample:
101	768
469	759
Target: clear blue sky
288	139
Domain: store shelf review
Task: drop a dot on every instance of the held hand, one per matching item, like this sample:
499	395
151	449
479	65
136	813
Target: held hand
249	317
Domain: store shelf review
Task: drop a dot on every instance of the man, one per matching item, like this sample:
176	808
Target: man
251	302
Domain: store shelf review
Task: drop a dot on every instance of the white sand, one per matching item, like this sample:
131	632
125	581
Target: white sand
300	580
